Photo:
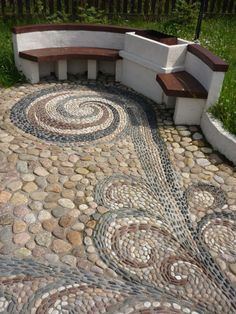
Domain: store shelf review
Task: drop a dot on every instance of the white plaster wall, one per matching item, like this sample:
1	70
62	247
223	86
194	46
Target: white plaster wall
211	80
155	52
149	64
145	48
77	66
141	79
107	67
218	137
215	88
31	70
176	55
68	38
45	68
200	70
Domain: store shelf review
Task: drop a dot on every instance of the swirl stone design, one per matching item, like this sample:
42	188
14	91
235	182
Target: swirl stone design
219	235
71	116
86	298
142	249
55	289
205	196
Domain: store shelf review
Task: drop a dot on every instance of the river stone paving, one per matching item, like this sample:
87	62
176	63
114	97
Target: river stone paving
107	207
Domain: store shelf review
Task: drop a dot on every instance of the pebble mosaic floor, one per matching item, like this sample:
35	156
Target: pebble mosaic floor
107	207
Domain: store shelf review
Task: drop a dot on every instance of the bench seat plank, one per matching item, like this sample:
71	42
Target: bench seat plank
54	54
181	84
214	62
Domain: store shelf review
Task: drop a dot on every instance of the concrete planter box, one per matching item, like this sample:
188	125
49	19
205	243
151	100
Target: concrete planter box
147	53
164	53
218	137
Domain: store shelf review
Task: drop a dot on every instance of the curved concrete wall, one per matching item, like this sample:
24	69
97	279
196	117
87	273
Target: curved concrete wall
69	38
218	137
65	38
210	79
142	57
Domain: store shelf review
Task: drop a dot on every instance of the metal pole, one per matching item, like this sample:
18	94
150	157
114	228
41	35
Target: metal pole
199	21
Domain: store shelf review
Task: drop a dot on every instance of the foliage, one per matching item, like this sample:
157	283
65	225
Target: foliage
39	6
225	109
184	15
89	14
85	14
222	42
58	17
9	74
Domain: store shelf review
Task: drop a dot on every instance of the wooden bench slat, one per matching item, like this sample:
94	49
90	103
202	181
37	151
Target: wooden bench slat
181	84
214	62
53	54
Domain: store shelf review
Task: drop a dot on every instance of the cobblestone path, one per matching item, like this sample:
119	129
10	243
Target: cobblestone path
107	207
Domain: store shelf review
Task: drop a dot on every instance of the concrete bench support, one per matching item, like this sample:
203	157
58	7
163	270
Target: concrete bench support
61	69
31	70
92	69
188	110
118	70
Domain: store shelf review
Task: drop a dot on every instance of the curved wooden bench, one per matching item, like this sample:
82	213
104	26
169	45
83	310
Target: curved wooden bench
35	45
61	55
54	54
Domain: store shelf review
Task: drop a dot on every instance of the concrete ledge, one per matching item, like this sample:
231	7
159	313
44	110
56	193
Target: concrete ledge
142	79
154	52
158	68
218	137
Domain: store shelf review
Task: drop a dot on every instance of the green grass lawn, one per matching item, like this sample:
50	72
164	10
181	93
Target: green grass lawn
218	35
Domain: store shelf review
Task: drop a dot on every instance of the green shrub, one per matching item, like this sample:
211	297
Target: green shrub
87	14
9	74
184	15
58	17
39	7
